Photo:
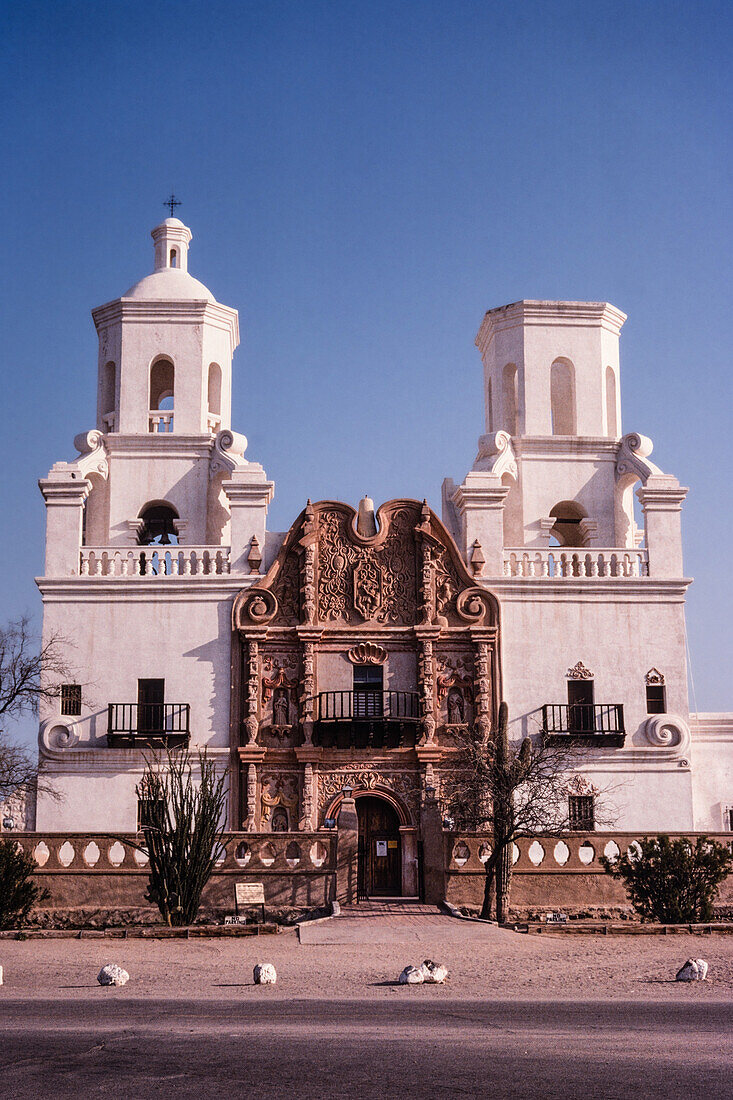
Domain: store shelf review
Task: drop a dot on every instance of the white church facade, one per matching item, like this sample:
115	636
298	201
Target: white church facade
343	653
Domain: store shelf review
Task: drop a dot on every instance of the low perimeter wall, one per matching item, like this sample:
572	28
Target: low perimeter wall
307	870
552	873
97	871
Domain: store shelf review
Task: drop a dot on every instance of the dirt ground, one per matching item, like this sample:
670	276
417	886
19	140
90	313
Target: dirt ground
484	963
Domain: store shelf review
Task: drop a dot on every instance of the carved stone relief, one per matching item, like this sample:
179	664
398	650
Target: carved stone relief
365	777
579	672
279	789
367	582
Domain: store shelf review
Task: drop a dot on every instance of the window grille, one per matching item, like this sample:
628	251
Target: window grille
71	698
581	812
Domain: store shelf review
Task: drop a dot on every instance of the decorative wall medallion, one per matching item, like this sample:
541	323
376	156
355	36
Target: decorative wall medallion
667	731
367	653
579	672
654	676
368	584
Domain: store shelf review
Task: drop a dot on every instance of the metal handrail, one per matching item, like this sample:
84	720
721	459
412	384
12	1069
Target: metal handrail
366	704
148	719
583	719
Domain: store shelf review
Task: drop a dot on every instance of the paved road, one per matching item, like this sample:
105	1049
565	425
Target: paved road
273	1047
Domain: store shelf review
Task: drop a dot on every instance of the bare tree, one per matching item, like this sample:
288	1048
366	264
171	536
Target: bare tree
511	791
29	673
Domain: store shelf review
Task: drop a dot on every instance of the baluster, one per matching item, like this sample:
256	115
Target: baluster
84	570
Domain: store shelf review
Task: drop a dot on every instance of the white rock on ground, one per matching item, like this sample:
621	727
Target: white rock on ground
265	974
412	975
433	972
694	970
112	975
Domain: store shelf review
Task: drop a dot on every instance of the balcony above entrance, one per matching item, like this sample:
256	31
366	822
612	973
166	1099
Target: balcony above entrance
366	719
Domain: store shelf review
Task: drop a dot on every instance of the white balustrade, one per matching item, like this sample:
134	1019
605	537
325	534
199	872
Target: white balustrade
214	423
570	563
154	561
160	421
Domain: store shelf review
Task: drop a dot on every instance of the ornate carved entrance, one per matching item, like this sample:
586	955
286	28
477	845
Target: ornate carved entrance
359	658
380	870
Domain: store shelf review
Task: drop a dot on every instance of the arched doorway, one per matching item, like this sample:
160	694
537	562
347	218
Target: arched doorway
380	860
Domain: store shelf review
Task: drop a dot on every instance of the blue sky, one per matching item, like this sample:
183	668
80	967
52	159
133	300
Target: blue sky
363	181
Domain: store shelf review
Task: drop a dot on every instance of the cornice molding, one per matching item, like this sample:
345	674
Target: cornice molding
547	313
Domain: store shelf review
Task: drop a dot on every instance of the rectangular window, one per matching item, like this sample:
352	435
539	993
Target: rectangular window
145	812
581	712
655	699
368	685
581	813
150	706
71	698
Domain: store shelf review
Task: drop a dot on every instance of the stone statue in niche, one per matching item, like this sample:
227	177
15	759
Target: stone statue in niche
281	707
456	707
279	821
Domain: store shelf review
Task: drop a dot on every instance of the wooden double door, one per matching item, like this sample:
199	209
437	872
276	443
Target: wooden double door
380	860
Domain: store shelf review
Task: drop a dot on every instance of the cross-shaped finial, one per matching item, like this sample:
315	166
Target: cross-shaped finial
171	203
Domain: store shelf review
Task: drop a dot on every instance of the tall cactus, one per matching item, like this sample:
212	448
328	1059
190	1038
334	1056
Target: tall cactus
183	833
506	771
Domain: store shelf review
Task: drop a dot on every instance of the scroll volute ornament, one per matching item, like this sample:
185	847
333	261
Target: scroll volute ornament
475	606
258	605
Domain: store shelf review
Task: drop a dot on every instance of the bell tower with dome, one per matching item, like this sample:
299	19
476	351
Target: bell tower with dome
165	349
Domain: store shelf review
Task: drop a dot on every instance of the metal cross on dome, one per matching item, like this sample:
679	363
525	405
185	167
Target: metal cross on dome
171	203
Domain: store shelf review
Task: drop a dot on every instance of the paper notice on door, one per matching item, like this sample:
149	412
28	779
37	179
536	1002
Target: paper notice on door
381	847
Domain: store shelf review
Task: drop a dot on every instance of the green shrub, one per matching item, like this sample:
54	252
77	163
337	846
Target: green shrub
18	894
672	881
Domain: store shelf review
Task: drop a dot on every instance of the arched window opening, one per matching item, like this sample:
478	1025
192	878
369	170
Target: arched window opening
510	397
611	414
162	383
158	527
173	258
215	389
562	397
109	395
567	529
489	409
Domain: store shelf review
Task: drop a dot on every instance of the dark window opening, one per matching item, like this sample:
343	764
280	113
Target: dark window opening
368	687
656	702
581	712
148	812
581	813
150	706
71	698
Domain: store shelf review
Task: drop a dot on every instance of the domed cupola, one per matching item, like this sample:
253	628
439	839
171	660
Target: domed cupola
165	349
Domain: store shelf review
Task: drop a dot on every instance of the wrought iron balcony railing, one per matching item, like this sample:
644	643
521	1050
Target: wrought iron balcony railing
147	723
366	718
587	723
